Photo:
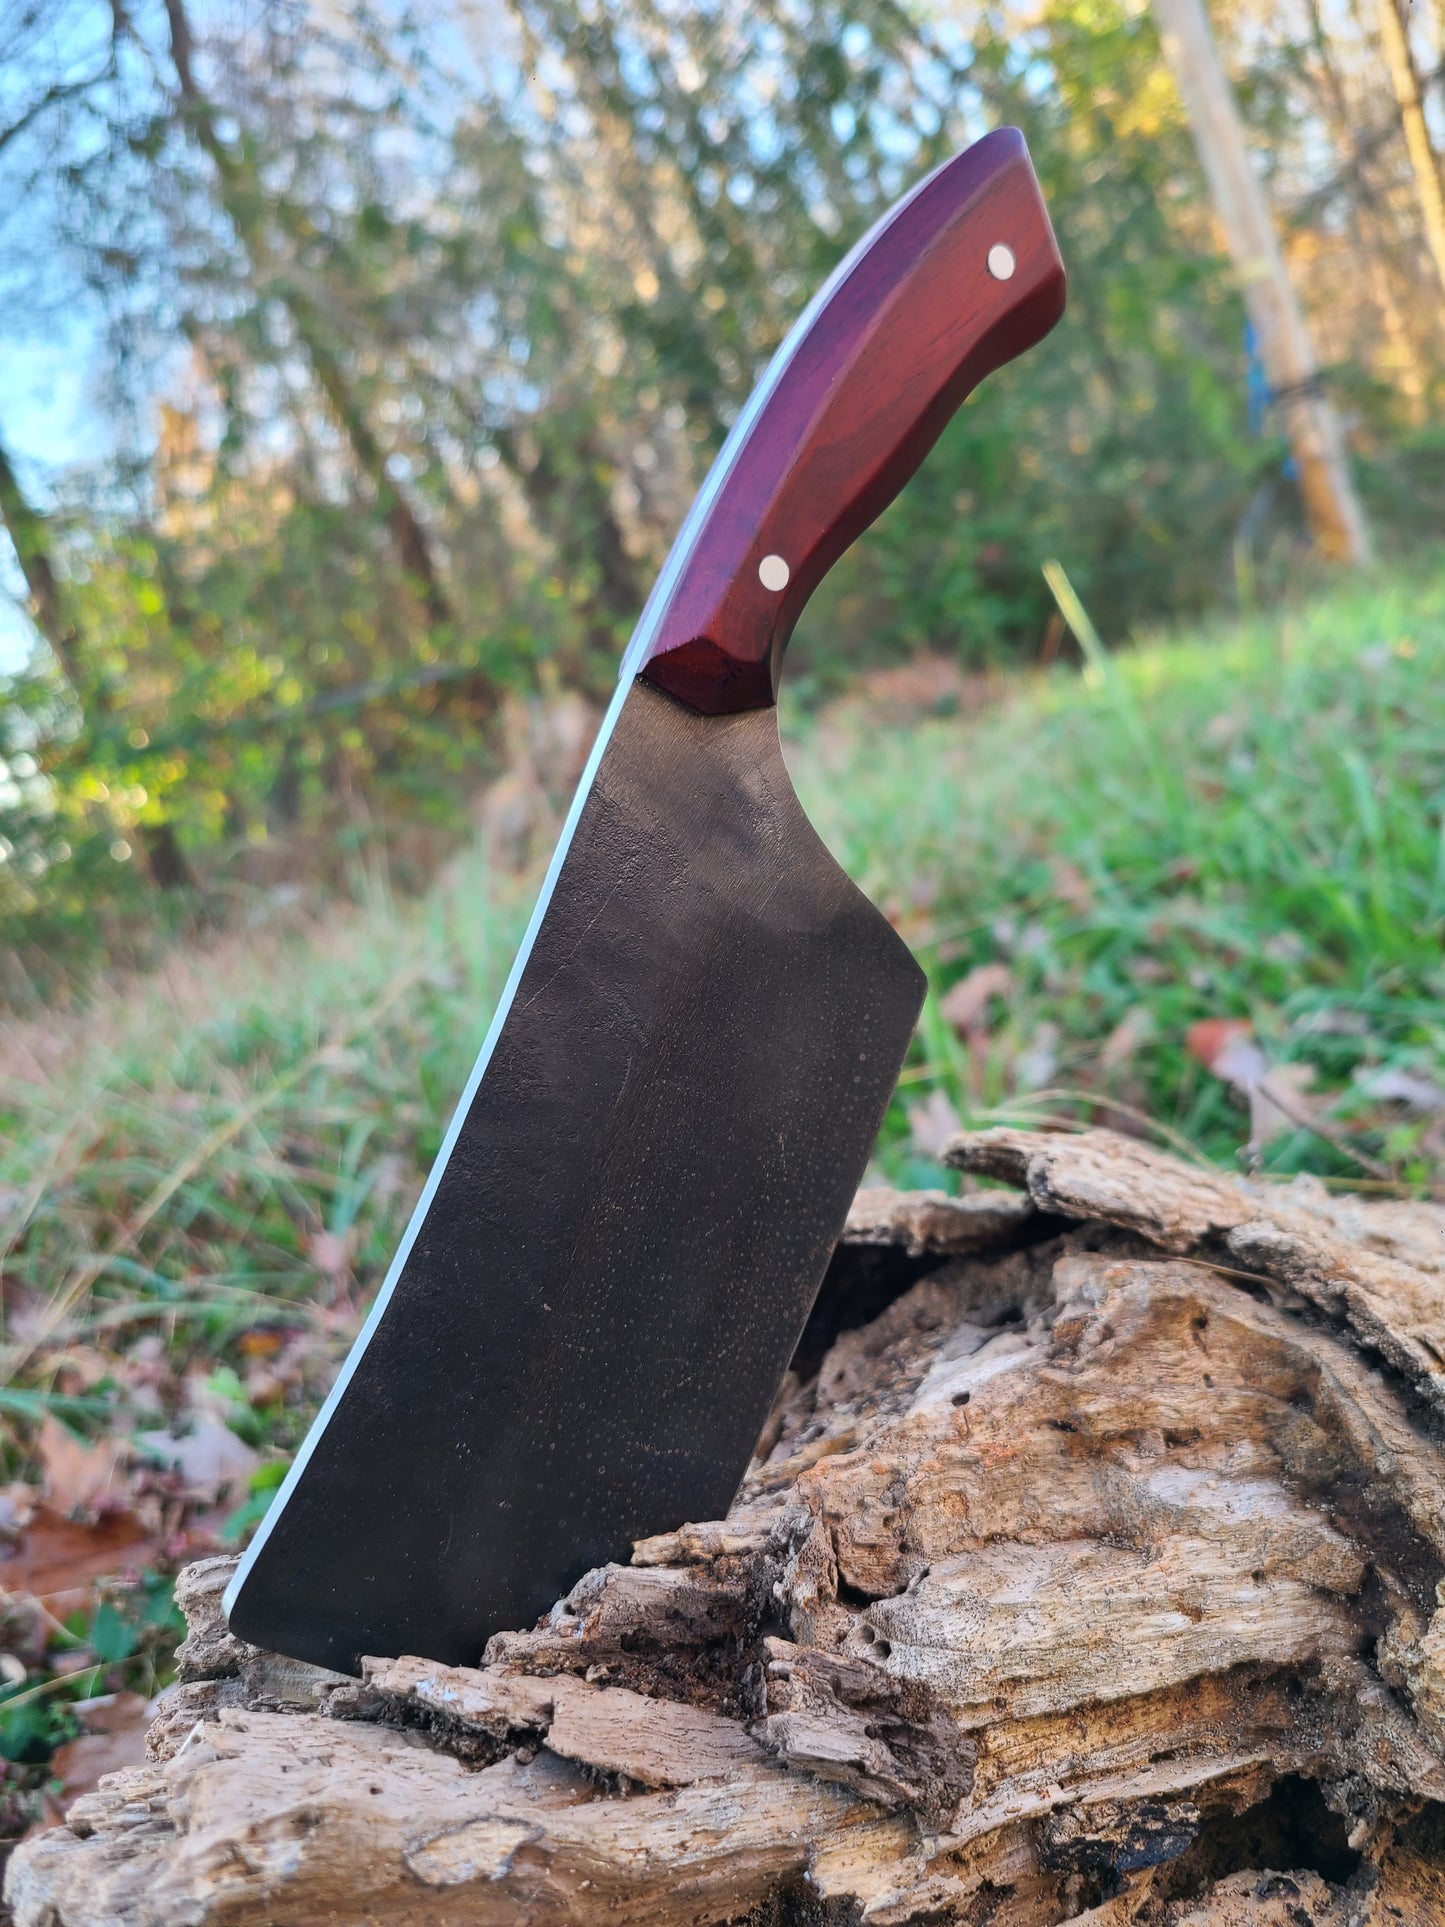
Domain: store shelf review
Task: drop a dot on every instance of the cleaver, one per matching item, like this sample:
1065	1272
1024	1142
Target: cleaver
586	1323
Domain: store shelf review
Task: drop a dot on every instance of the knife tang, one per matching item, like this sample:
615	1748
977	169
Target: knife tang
961	276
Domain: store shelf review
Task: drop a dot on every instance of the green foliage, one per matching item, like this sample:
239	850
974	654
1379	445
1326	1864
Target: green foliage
430	355
250	1101
128	1637
111	1638
265	1483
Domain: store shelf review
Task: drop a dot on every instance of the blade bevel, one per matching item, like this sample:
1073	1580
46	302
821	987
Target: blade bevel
601	1285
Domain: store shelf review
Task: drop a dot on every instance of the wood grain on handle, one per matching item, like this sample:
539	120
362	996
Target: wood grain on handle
854	399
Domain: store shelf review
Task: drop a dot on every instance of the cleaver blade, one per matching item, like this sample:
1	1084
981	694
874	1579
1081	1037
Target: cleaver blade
590	1312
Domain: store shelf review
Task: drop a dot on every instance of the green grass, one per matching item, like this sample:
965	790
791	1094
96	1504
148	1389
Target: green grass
1245	823
173	1158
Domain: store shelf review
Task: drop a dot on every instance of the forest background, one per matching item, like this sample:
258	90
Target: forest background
402	335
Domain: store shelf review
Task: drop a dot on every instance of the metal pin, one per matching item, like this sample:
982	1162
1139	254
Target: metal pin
1001	263
773	572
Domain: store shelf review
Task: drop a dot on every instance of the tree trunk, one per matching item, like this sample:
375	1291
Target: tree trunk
1401	355
1285	346
28	533
1424	161
1087	1572
165	859
569	498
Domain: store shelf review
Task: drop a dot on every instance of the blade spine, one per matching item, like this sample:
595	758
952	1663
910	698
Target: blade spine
439	1164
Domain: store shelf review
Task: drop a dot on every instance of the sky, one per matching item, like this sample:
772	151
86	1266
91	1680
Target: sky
45	423
47	418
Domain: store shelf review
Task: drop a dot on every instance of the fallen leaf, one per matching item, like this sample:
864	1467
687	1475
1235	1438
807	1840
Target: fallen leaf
1226	1046
330	1252
78	1478
965	1006
114	1738
931	1124
263	1385
1241	1063
1133	1030
1277	1103
1071	887
1150	970
58	1556
17	1508
1036	1063
309	1359
149	1372
1417	1094
208	1457
1211	1036
264	1342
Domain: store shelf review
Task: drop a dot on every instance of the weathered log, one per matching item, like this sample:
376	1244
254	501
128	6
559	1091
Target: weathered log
1087	1573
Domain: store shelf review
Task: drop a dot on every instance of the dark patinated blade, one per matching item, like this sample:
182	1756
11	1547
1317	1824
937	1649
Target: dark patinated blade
611	1263
603	1282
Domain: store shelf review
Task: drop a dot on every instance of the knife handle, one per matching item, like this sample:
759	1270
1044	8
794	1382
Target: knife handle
956	279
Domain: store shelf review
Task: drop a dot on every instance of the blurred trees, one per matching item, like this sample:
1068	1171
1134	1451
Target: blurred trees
413	328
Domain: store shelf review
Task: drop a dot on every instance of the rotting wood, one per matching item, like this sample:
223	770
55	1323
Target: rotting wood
932	1224
1090	1577
1381	1265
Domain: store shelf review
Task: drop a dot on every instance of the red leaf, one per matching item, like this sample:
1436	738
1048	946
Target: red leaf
1210	1038
59	1557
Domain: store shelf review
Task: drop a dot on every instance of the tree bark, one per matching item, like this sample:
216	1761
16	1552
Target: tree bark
1424	161
165	859
1087	1572
1286	348
28	533
1402	354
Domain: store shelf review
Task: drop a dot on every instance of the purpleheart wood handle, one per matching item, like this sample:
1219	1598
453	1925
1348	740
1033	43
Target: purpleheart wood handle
956	279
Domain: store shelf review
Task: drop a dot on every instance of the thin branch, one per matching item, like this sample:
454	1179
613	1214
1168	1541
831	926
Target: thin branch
52	97
1304	212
